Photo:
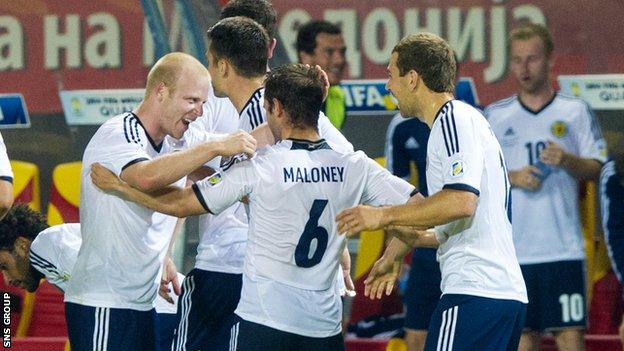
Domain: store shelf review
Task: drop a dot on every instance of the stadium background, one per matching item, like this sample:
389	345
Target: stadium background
52	45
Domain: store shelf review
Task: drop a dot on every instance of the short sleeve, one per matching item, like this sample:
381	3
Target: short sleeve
6	173
459	152
591	143
382	188
334	138
219	191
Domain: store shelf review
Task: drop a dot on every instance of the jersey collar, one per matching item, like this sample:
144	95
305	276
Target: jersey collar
255	96
300	144
156	147
536	112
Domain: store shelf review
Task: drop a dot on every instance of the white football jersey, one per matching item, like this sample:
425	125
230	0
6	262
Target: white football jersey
6	173
54	251
120	260
295	190
222	237
476	254
546	224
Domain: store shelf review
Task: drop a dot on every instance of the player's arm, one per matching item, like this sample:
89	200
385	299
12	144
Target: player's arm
171	200
444	206
579	167
153	174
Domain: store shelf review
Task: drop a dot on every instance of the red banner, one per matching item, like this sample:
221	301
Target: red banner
47	44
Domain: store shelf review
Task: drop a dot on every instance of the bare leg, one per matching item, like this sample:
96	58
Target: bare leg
529	341
570	339
415	339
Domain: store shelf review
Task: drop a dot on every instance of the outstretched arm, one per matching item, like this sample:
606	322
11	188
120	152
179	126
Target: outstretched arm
171	200
164	170
444	206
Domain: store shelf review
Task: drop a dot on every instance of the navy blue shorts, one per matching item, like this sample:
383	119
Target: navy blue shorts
249	336
466	322
423	289
206	310
165	325
556	293
102	328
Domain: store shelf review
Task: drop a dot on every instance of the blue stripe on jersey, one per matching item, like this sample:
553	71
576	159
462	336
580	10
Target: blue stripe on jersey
7	179
449	130
444	131
42	264
461	186
136	160
126	129
200	197
258	108
452	112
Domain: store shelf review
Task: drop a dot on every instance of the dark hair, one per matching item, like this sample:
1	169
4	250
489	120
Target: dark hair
306	37
530	30
243	42
21	220
260	11
299	88
431	57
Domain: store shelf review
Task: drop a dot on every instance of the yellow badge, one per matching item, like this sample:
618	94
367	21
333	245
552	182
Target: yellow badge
215	179
457	168
559	129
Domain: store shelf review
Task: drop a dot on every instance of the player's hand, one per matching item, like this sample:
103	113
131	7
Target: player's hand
382	278
553	155
345	265
237	143
526	178
169	275
356	219
104	179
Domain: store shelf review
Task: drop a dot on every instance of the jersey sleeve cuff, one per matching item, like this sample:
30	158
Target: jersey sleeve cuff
462	187
7	179
200	197
414	192
136	160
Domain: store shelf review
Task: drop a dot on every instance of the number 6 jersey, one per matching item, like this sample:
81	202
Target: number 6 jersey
295	190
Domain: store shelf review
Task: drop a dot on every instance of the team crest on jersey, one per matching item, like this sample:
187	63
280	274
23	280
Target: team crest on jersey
457	168
559	129
215	179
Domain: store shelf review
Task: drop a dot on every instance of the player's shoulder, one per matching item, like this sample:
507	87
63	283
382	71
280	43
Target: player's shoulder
569	102
493	110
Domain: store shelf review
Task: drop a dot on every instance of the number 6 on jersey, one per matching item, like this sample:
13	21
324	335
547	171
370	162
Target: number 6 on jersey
312	231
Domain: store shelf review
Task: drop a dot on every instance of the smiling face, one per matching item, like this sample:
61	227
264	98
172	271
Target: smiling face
529	64
15	267
398	86
329	54
183	103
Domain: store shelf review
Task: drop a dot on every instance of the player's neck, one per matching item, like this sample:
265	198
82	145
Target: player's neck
242	89
432	104
148	119
298	133
537	99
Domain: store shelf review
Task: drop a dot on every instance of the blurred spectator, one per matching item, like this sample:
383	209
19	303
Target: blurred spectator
321	43
612	206
550	142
